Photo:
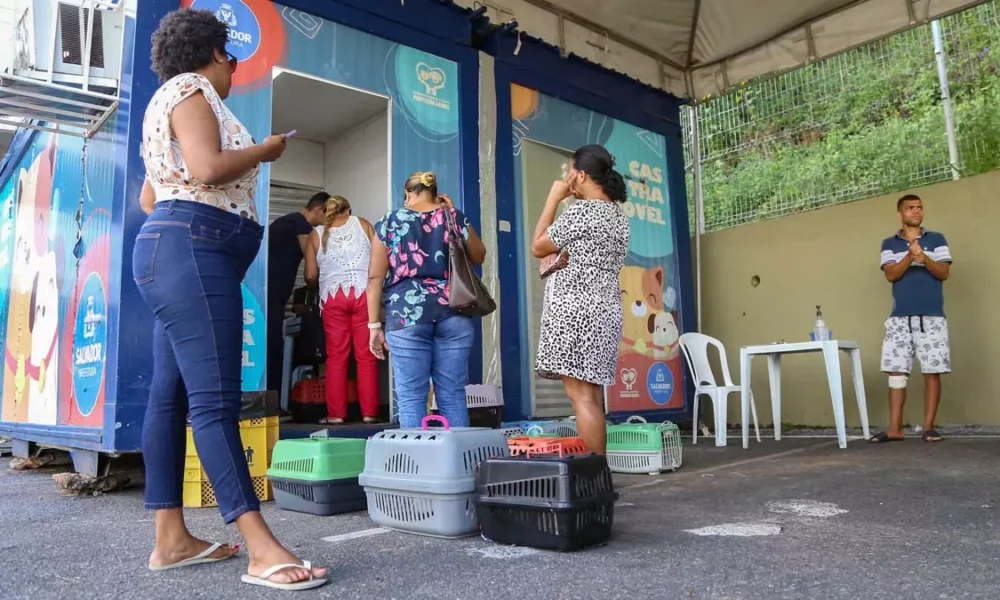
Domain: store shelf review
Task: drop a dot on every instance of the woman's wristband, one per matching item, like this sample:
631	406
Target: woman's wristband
374	326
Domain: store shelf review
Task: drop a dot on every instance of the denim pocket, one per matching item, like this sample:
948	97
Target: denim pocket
144	257
207	233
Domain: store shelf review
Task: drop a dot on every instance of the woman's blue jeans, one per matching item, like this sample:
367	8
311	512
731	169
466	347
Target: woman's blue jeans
438	351
189	261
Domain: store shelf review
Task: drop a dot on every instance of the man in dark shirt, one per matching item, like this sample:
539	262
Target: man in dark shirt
917	262
286	246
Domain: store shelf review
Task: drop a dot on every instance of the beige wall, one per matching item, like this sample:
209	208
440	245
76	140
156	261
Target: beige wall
830	257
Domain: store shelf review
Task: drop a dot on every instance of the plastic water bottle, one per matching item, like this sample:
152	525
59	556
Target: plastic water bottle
820	332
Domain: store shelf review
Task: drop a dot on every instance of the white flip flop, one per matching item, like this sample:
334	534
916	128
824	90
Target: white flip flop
264	579
201	559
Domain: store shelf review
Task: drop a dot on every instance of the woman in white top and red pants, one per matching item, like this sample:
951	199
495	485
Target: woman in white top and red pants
337	263
189	260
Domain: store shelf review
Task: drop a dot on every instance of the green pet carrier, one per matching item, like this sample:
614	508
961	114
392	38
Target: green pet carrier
318	476
636	446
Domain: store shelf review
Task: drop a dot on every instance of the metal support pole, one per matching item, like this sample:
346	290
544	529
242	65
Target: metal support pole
86	40
949	117
699	206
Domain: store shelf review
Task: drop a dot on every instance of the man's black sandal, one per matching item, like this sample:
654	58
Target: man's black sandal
883	438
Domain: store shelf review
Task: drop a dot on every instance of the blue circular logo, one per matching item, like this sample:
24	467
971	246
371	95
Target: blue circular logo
660	384
90	338
254	342
427	87
244	30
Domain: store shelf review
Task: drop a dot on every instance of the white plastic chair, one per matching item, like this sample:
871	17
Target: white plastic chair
695	348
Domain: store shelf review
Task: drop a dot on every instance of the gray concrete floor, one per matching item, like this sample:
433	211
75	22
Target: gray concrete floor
794	519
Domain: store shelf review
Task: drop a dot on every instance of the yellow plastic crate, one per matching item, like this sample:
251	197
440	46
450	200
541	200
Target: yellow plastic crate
199	494
193	470
259	437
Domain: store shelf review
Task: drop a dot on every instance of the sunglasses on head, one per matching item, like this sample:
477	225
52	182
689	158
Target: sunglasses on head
233	62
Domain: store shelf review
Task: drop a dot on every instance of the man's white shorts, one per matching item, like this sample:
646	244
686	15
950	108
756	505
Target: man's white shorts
927	337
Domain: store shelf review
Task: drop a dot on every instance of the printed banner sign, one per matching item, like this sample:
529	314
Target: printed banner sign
54	261
649	365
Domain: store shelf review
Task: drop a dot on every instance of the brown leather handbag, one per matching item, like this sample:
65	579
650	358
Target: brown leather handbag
467	295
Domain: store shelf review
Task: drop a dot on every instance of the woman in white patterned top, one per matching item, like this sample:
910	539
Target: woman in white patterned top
337	262
188	262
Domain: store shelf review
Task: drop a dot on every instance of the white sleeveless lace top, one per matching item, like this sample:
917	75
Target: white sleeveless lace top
165	166
344	265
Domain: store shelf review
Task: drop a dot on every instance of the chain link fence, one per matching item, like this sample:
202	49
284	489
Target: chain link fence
864	123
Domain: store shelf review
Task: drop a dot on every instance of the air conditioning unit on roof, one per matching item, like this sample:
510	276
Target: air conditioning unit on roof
64	72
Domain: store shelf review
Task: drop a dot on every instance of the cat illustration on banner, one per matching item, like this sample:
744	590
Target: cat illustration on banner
649	328
30	384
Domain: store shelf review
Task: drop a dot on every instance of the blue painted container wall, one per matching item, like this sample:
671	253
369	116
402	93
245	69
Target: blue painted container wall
73	190
420	31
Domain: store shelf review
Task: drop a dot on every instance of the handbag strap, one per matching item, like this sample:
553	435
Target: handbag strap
452	225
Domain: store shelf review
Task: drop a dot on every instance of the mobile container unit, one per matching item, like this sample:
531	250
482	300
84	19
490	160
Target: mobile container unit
404	74
63	189
544	107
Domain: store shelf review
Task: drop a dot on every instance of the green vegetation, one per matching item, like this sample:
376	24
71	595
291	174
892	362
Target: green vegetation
865	123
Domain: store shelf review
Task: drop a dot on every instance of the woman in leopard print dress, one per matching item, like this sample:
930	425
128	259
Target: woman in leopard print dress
582	316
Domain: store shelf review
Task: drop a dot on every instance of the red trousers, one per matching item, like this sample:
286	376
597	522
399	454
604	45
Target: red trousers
345	322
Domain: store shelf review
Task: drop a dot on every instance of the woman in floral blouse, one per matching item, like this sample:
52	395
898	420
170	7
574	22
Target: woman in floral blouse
408	273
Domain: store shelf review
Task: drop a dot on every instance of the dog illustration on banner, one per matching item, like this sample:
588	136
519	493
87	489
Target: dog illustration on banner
665	337
649	329
30	384
650	342
43	322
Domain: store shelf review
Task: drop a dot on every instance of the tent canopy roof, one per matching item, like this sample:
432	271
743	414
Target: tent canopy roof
705	47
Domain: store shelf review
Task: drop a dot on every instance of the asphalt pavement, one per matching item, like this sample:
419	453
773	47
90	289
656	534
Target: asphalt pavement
793	519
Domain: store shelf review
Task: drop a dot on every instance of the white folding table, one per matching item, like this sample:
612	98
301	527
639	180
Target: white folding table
831	356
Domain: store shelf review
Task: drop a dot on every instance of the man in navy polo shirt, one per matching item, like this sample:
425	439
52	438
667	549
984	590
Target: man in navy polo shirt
917	262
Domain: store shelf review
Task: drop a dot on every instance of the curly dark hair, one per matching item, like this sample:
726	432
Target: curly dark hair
186	41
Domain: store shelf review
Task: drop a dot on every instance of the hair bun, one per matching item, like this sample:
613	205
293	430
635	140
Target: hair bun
427	179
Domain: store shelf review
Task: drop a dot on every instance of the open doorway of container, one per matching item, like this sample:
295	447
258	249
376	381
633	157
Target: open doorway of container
541	164
341	146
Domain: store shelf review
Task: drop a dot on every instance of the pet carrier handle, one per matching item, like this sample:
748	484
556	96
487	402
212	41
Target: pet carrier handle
430	418
634	418
534	428
546	449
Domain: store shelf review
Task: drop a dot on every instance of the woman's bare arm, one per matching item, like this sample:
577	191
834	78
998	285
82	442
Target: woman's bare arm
368	228
541	244
147	199
475	249
197	131
378	267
